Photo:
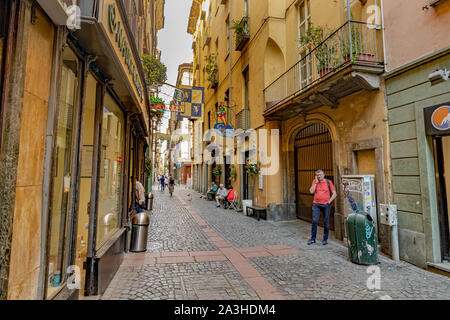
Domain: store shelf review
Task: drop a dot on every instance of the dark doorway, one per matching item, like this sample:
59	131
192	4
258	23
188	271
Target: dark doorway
442	165
313	151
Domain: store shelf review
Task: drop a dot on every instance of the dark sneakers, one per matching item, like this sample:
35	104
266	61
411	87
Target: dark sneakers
311	241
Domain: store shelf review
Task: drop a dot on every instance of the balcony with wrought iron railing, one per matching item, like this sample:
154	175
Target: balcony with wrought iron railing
242	31
354	48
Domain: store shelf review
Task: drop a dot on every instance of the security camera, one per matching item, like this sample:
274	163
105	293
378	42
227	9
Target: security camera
438	76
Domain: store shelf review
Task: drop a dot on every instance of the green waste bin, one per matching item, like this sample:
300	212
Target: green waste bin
362	238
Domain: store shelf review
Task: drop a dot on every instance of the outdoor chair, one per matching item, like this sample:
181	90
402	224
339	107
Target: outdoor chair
233	204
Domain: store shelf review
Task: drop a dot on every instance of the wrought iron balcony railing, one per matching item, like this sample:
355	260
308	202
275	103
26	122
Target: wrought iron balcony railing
353	43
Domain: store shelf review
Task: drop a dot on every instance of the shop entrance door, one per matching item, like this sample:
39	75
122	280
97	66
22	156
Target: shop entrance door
442	165
313	151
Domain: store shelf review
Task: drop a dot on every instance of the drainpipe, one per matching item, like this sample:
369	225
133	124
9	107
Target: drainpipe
382	32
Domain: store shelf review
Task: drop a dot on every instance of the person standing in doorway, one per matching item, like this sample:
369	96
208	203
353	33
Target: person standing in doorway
324	194
140	197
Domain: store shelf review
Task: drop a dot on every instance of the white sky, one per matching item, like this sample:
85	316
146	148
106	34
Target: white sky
175	45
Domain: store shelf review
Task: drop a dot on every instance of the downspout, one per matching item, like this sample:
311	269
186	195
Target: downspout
230	82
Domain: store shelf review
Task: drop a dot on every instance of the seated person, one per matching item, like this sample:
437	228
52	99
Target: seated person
212	192
221	195
230	197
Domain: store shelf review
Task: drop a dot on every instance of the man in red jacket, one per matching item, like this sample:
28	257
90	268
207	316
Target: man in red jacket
324	194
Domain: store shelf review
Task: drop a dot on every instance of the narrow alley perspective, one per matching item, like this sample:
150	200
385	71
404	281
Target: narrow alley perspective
246	157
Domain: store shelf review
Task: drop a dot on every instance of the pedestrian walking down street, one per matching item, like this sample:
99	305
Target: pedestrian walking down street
140	197
171	184
161	180
324	194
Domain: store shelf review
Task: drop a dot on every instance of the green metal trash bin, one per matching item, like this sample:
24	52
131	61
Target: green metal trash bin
362	238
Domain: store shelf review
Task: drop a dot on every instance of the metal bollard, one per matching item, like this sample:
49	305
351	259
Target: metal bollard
150	201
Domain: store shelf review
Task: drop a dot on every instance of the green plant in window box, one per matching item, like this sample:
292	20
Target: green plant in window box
240	29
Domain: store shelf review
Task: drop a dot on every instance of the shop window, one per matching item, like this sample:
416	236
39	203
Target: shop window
62	172
109	206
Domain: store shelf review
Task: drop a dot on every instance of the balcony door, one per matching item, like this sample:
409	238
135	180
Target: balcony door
305	66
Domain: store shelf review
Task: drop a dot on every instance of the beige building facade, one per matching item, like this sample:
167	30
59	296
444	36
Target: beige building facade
324	97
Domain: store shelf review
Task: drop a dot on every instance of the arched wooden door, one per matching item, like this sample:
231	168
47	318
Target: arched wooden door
313	151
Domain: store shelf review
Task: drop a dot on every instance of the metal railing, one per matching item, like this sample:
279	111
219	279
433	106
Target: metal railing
354	42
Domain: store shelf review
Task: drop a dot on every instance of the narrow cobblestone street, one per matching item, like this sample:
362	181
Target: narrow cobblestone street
199	252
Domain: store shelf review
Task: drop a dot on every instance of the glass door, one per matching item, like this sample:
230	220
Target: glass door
62	176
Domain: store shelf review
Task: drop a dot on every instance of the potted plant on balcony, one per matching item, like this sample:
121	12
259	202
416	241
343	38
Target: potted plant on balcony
356	45
241	32
212	70
324	53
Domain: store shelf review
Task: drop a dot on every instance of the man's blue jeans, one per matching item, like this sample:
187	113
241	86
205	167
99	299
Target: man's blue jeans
138	207
316	208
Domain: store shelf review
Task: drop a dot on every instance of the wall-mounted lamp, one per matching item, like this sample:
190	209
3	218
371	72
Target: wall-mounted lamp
438	76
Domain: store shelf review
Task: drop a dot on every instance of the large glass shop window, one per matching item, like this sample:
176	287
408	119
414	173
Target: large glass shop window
110	170
62	172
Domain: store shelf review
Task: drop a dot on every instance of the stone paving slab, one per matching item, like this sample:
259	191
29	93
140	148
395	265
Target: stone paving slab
317	271
199	251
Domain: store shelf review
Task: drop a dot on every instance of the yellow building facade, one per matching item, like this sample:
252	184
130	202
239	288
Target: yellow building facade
323	96
74	127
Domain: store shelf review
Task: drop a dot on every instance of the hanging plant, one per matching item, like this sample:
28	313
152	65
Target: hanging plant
217	170
252	168
155	71
233	173
148	167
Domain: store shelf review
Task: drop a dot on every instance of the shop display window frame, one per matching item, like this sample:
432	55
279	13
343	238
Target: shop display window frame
72	205
113	96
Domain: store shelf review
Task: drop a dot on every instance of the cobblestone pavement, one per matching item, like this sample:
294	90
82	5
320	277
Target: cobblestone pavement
197	251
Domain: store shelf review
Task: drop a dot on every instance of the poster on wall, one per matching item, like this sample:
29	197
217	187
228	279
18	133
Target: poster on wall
437	120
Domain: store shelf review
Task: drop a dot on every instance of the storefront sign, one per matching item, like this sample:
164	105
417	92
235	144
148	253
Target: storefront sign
437	120
119	36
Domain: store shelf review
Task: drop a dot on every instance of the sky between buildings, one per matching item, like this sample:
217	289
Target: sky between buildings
175	45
